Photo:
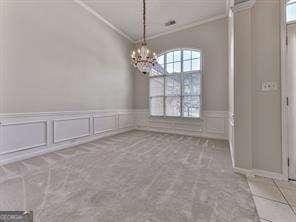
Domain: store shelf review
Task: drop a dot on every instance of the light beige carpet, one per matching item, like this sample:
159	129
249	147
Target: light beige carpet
132	177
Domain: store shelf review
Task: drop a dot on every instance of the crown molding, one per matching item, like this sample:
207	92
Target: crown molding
191	25
101	18
184	27
228	5
244	6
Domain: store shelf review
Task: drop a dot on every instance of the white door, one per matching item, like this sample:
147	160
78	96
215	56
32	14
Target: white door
291	85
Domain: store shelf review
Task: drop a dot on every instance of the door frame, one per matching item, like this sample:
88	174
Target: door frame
284	91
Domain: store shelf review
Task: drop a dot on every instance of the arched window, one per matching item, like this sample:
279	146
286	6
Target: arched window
291	11
175	84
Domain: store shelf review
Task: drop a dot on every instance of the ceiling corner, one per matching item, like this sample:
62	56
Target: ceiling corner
101	18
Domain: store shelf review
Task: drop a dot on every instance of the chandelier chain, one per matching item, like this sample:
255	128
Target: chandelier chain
143	58
144	22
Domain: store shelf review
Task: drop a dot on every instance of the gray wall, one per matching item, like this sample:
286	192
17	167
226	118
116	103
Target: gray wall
212	39
55	56
266	107
243	90
258	113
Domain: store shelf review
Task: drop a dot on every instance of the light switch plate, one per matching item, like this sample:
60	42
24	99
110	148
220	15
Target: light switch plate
269	86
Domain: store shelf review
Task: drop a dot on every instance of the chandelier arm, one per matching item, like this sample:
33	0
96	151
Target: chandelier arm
144	22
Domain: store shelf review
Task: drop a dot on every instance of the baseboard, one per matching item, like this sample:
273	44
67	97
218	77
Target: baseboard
273	175
243	171
179	132
231	153
261	173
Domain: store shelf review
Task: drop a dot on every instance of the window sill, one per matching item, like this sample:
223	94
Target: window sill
291	22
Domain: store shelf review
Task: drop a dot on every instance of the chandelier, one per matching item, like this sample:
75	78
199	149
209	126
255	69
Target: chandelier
143	58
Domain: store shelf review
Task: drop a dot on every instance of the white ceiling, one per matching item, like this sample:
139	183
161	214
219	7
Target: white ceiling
126	15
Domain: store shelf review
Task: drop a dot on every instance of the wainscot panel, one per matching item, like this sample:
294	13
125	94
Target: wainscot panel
73	128
104	123
17	136
125	120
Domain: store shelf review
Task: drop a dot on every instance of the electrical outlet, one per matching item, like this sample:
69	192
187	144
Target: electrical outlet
269	86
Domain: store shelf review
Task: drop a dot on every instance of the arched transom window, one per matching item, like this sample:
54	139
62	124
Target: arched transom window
175	84
291	11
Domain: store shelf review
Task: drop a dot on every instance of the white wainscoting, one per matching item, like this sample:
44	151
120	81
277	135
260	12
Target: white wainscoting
30	134
27	135
212	124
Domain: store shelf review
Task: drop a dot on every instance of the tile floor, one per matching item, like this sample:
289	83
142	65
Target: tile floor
275	200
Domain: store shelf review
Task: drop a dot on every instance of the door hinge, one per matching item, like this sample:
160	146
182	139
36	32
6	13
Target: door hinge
288	160
287	101
287	40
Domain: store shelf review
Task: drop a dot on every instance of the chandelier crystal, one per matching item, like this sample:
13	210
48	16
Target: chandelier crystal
143	58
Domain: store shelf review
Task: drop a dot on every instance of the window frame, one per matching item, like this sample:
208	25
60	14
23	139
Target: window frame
199	72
